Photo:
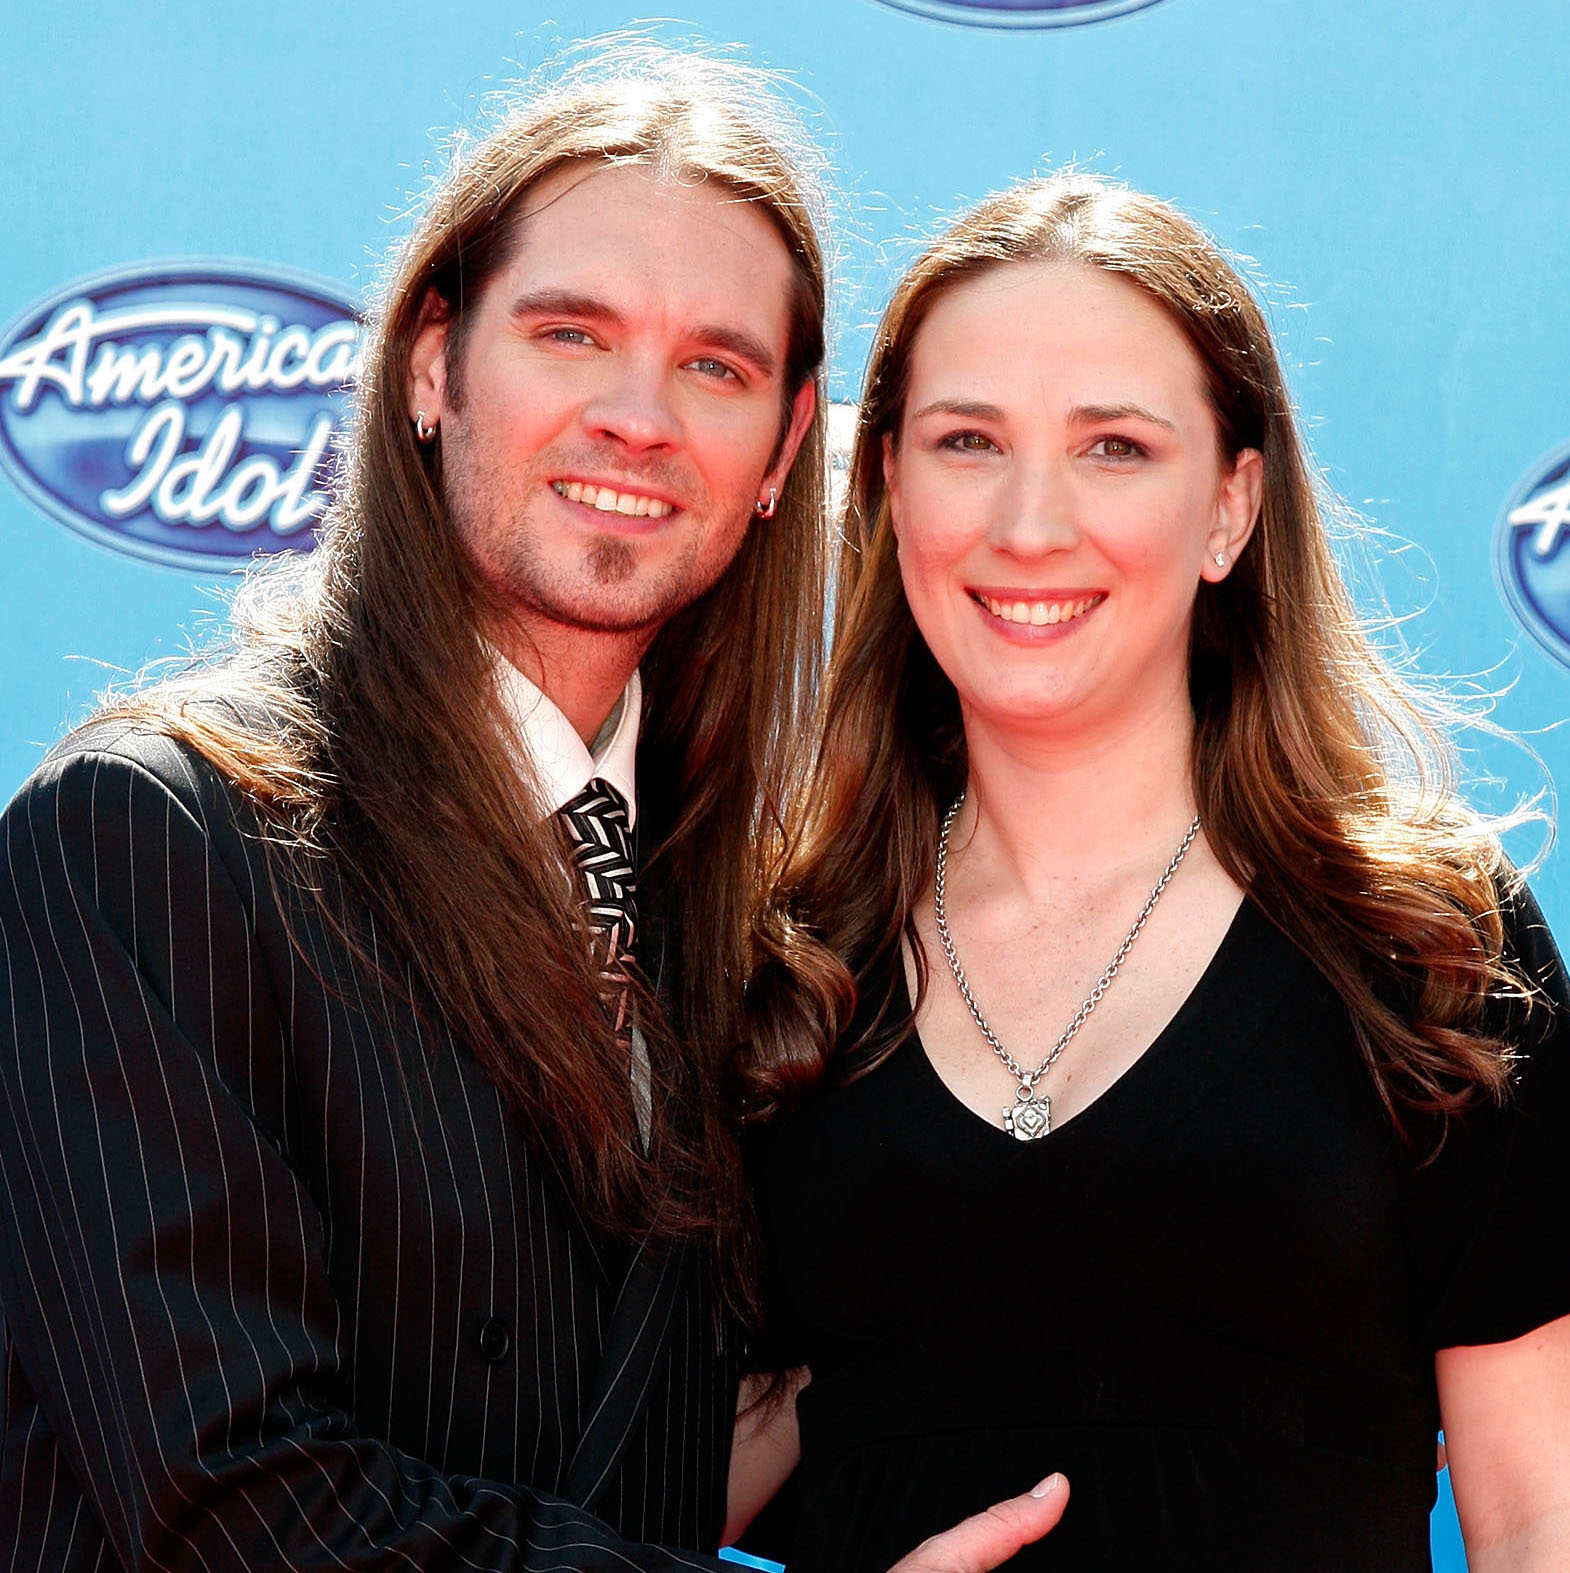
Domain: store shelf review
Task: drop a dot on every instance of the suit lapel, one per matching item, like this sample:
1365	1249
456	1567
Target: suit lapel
656	1283
651	910
658	1279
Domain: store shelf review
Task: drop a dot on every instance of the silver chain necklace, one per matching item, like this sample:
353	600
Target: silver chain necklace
1029	1117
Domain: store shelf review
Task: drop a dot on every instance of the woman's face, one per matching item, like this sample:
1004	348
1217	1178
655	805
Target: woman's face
1058	493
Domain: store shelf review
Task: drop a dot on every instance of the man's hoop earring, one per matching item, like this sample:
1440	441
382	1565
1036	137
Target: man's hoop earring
423	434
765	510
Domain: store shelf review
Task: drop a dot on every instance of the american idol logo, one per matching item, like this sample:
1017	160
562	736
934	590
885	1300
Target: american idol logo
1021	13
185	412
1532	554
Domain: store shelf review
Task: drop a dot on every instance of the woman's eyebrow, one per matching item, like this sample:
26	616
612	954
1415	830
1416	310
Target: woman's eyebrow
966	409
1081	414
1088	414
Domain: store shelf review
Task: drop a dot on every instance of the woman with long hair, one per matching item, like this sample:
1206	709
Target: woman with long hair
1168	1072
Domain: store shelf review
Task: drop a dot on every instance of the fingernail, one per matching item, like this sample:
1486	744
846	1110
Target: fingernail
1047	1486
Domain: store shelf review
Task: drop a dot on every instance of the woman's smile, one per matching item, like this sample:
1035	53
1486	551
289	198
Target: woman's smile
1036	610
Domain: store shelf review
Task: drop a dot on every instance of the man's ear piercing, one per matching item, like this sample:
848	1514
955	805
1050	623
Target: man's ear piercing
423	434
1221	559
765	510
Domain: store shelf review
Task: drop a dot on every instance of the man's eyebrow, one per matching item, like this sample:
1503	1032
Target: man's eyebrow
965	409
739	343
564	303
573	303
1089	414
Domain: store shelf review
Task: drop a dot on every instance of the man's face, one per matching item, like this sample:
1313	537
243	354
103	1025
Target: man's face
617	404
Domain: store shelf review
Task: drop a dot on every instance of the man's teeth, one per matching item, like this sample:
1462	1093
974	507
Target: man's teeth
633	504
1039	613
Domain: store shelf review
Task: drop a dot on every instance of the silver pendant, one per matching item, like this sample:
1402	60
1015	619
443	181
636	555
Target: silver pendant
1030	1117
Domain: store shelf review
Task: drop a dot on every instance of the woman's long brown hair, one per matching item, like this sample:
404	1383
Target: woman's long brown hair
1324	781
357	708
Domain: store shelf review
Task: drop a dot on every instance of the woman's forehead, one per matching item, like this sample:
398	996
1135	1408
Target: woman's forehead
1051	328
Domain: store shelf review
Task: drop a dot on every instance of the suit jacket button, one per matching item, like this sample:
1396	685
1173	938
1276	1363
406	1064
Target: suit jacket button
495	1340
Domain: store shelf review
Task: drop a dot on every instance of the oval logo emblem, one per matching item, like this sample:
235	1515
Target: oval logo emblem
1021	13
185	412
1532	554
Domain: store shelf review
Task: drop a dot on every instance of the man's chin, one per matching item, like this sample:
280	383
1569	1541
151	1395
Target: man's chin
607	610
609	586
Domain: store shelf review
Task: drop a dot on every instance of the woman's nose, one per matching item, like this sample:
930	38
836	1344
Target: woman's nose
1035	511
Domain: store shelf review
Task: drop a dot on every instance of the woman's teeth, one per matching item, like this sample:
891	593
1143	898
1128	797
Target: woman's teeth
633	504
1040	613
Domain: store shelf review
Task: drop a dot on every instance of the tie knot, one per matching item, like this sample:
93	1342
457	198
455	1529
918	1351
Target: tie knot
597	826
601	838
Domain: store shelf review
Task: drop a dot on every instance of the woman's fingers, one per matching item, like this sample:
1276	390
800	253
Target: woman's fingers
991	1538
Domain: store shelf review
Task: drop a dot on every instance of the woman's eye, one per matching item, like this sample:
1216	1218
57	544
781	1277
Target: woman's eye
968	442
1117	448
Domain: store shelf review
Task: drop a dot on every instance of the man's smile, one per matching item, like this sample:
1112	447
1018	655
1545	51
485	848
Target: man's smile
607	499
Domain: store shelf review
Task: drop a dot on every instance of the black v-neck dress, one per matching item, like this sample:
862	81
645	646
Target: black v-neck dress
1212	1298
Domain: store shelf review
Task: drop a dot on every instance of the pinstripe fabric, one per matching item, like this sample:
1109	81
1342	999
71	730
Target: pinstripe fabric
283	1286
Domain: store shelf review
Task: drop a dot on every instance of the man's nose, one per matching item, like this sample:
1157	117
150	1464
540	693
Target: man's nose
1036	510
632	406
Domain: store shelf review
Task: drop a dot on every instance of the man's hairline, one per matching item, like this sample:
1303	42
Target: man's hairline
513	215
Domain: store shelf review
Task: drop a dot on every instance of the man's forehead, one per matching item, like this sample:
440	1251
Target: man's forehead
625	218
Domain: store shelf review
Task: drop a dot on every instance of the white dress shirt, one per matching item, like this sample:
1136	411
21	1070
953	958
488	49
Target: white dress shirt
563	765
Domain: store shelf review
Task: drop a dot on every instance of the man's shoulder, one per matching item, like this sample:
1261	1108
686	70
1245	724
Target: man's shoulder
114	772
118	747
134	741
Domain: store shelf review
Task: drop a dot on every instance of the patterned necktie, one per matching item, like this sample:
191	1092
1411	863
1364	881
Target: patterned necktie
596	821
601	838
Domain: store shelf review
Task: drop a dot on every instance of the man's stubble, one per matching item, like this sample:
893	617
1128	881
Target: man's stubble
522	576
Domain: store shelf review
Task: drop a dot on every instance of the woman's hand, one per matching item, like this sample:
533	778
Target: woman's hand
1506	1414
991	1538
765	1447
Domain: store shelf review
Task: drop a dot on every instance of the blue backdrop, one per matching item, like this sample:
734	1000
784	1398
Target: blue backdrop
1398	171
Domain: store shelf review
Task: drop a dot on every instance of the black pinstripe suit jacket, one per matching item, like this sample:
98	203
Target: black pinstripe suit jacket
283	1284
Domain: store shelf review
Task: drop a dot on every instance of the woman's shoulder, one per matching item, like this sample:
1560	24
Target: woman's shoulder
1489	1208
1531	1017
1529	944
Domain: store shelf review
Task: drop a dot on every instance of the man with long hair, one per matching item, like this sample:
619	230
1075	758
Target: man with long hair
368	1201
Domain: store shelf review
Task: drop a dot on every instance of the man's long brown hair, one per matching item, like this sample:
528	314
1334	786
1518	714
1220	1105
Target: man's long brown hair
357	707
1325	784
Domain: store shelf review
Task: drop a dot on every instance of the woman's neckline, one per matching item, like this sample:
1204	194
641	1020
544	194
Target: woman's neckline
1245	922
